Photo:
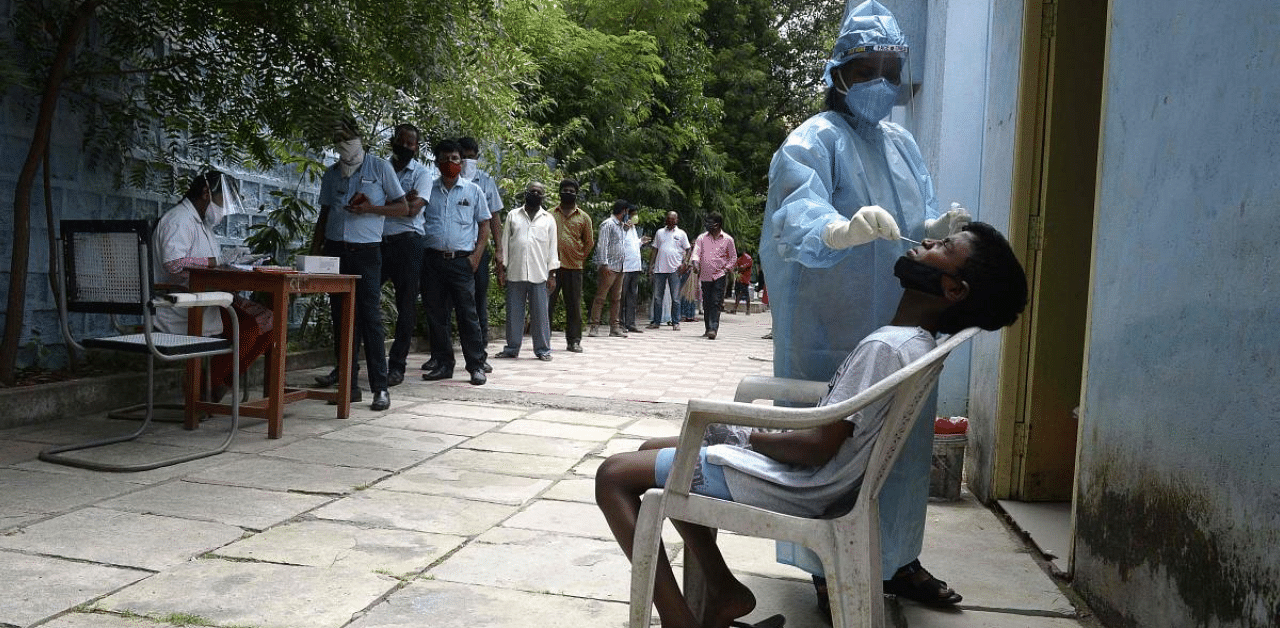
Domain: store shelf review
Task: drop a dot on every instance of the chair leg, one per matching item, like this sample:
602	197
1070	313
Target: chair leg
853	582
54	454
644	558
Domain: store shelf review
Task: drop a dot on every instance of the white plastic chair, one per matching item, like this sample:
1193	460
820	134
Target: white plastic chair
849	545
106	269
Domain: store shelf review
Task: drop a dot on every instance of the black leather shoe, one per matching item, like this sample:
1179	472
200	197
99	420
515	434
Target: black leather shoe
478	378
355	397
575	347
430	365
327	380
381	400
437	374
546	357
395	378
503	354
485	367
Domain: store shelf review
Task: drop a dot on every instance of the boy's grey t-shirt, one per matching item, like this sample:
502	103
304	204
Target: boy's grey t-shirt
759	480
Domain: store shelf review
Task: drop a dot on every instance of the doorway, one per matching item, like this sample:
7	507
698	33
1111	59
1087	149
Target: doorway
1065	43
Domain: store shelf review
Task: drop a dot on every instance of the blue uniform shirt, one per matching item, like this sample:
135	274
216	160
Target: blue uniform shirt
415	176
377	180
452	217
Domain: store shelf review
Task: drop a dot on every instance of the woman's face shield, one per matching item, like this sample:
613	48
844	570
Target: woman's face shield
867	63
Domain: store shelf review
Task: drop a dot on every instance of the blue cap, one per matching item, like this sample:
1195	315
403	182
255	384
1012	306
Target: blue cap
868	27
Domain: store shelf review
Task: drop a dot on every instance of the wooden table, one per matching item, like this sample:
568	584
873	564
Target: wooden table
280	286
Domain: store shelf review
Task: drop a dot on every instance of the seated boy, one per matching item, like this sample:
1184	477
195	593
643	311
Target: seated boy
969	279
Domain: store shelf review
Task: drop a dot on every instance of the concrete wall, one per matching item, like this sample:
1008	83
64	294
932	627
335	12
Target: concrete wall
81	189
1178	511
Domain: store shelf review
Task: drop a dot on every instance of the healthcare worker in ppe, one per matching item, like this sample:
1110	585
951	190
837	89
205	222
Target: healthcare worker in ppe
844	187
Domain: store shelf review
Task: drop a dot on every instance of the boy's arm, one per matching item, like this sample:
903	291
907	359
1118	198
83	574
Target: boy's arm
811	447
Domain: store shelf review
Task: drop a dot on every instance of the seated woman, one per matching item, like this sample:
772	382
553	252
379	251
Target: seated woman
969	279
184	238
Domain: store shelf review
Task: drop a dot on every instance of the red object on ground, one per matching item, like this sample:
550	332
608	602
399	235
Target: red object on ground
952	425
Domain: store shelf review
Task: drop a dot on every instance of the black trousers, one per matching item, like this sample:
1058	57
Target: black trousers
569	281
451	279
364	260
481	297
713	302
402	266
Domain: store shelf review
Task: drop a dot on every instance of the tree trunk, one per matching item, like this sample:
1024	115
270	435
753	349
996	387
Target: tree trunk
17	303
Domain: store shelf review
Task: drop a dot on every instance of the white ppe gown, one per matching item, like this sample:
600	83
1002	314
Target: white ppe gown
824	301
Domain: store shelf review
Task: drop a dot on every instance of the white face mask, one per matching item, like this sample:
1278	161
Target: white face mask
213	214
350	155
469	168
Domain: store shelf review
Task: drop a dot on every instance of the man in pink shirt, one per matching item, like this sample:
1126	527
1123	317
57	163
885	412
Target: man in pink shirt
713	256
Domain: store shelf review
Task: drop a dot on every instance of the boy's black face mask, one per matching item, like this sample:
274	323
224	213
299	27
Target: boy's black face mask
918	276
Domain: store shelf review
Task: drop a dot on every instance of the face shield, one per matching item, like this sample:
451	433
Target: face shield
872	80
224	199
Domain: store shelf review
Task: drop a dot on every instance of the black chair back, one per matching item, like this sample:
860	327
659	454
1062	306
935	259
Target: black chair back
107	265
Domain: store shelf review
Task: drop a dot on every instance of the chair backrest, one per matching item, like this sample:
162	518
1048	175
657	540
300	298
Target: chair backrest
106	266
904	409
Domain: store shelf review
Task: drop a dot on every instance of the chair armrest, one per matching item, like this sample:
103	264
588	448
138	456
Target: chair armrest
193	299
799	392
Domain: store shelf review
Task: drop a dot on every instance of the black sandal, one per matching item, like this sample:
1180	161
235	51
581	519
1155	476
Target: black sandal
913	582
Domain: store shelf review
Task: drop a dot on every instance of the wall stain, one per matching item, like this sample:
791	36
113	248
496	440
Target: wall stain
1139	520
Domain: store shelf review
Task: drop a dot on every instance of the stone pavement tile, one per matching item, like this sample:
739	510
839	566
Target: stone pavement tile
438	424
541	562
350	454
38	587
451	605
80	429
652	428
412	511
967	546
553	429
505	463
30	495
588	467
535	445
330	544
923	617
580	418
245	507
792	599
153	476
477	412
299	426
121	538
571	518
620	445
102	620
18	451
393	438
253	594
433	479
279	474
573	490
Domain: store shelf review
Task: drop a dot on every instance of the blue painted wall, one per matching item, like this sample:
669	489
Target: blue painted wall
1178	512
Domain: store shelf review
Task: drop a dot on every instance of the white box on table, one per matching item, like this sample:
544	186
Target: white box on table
318	264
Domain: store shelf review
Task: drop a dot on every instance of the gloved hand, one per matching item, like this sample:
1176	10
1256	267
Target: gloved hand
867	224
948	223
721	434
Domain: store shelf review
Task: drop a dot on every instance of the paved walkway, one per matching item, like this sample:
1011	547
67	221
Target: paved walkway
458	506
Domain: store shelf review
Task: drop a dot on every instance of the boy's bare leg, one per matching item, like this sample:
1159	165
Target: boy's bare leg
620	482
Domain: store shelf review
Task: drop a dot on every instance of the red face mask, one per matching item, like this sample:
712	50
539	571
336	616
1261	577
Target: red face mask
450	169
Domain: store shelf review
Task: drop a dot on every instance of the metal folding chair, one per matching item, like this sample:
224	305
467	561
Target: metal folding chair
849	544
106	269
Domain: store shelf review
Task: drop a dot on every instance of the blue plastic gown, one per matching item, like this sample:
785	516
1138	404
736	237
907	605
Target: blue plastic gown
825	300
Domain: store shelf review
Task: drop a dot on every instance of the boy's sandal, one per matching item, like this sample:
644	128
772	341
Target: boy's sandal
913	582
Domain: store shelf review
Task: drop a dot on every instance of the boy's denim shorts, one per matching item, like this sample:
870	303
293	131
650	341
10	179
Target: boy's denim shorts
708	477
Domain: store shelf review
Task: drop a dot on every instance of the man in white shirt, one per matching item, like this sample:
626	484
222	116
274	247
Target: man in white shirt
632	266
670	261
527	255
